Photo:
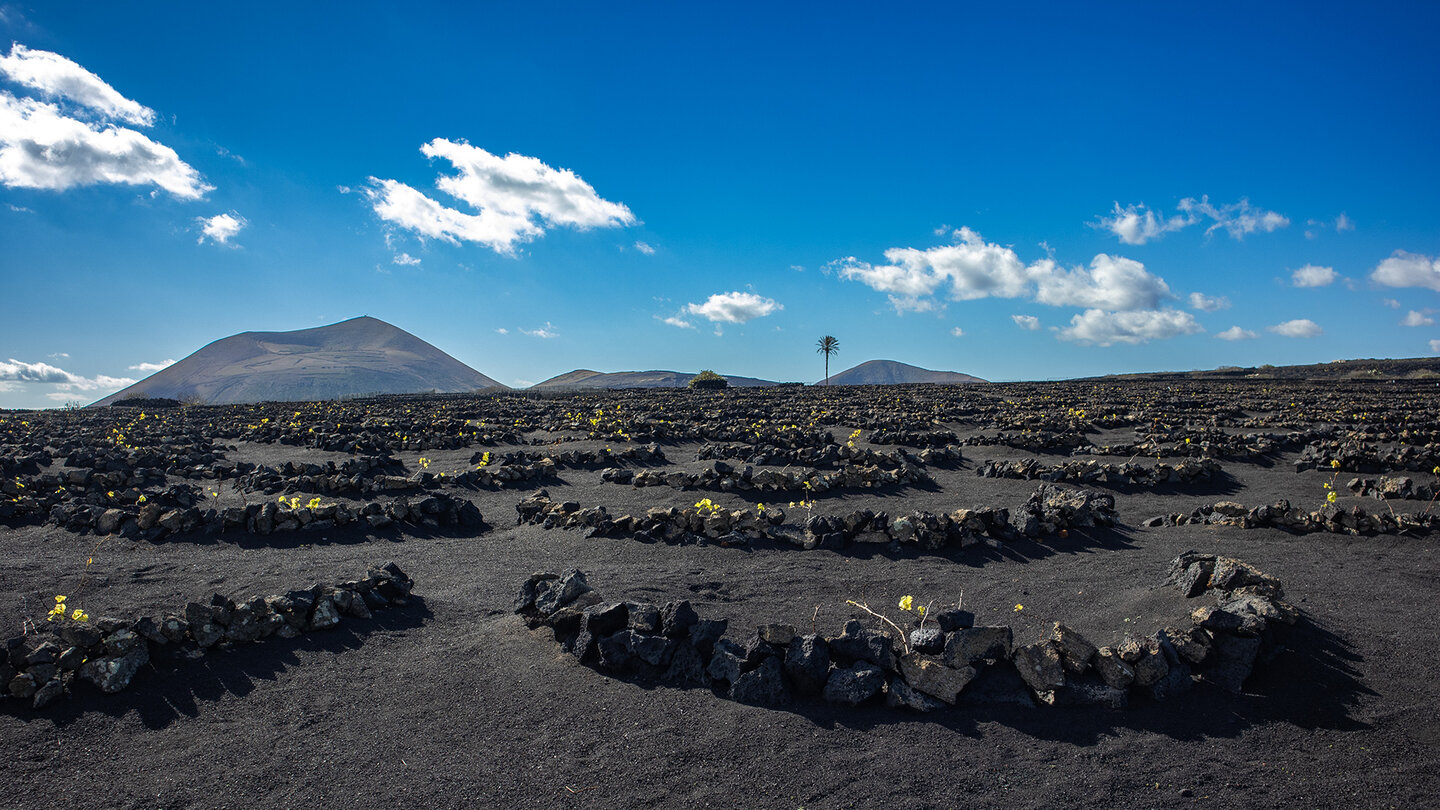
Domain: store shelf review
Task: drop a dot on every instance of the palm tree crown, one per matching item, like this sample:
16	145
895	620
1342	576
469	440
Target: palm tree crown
827	346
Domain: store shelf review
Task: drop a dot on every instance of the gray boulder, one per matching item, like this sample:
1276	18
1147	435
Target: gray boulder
807	662
971	644
902	694
855	643
854	685
1075	651
762	685
1040	667
112	674
929	674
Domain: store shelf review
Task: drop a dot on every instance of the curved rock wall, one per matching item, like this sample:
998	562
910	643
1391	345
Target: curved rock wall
1239	609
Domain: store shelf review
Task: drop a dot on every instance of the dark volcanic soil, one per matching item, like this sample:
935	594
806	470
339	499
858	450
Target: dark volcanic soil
452	702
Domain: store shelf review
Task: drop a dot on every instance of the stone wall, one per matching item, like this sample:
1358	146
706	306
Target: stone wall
1049	511
44	665
1238	612
1094	472
162	519
1281	515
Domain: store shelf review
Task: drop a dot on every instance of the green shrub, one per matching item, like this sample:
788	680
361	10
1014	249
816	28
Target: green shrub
708	379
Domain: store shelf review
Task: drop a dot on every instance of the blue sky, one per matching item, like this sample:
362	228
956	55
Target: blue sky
1028	192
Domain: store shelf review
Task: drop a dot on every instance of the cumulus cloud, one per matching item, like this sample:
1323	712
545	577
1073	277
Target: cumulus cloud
644	247
546	331
1414	318
516	198
220	228
43	146
957	332
1137	224
1236	333
1390	302
734	307
1026	322
55	76
1205	303
678	321
19	371
1435	347
1111	282
148	367
502	331
1405	269
1298	328
973	269
405	259
1314	276
1095	326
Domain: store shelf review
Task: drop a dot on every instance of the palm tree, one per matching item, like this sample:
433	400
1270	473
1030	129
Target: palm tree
827	346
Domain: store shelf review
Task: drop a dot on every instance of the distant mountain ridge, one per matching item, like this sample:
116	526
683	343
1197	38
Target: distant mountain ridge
585	378
360	356
1384	368
892	372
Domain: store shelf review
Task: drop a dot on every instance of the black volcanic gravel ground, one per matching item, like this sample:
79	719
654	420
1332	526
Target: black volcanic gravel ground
453	703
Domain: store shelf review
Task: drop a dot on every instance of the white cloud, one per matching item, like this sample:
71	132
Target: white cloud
973	269
1414	318
1314	276
1111	282
904	304
516	196
1341	224
46	147
1138	224
57	77
644	247
1236	333
502	331
1298	328
734	307
1238	219
1405	269
1390	302
1435	347
676	320
42	148
957	332
1137	326
152	366
405	260
220	228
60	356
19	371
1027	322
1205	303
546	331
